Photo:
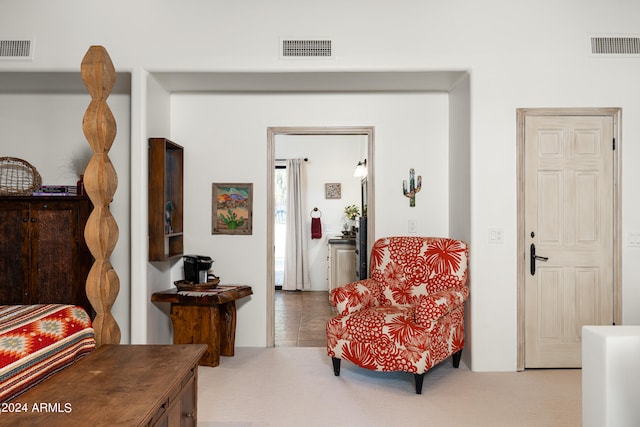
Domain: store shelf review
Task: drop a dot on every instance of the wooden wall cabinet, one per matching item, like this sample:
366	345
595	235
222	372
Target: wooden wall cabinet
166	207
43	255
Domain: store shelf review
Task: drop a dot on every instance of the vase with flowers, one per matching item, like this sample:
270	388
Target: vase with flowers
351	212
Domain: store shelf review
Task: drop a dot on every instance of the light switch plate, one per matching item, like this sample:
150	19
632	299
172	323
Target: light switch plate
413	226
633	239
496	235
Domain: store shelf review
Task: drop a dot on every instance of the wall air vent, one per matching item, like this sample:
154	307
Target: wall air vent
316	48
16	50
616	45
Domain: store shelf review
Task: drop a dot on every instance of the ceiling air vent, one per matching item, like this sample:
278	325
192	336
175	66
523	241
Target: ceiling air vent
317	48
16	50
623	45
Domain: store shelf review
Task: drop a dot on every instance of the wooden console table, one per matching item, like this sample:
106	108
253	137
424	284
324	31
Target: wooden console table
116	385
205	317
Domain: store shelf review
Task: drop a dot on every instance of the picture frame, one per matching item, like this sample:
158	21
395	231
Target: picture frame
333	190
232	208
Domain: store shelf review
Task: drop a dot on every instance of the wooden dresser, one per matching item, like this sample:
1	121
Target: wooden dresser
116	385
44	258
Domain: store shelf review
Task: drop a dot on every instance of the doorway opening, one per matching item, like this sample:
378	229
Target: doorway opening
272	134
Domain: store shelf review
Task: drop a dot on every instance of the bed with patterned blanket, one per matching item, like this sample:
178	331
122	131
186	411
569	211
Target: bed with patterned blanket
39	340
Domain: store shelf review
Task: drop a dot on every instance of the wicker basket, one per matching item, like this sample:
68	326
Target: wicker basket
18	177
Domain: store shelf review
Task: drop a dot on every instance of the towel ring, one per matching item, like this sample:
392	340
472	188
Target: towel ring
317	211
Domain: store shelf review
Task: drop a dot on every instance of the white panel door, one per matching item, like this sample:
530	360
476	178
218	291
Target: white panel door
569	226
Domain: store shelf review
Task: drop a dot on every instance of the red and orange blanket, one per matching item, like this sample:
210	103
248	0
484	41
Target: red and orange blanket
37	341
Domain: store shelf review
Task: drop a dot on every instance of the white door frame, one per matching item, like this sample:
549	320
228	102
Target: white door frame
272	132
615	114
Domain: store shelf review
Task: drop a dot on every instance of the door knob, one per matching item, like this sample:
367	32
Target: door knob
533	257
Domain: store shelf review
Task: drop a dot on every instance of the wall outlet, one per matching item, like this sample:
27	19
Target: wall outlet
496	235
413	226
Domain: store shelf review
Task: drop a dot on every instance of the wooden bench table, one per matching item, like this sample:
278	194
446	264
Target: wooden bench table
205	317
116	385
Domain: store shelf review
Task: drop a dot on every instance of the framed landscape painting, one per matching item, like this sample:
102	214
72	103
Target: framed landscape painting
232	211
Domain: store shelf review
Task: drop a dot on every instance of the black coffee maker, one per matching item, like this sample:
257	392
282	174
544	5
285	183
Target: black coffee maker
196	268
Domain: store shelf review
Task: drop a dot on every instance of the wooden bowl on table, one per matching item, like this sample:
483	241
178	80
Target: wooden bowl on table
184	285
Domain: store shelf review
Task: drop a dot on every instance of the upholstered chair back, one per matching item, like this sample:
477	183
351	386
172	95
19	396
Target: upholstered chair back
414	266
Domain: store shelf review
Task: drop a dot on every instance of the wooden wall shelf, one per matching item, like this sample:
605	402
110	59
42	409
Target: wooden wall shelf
166	172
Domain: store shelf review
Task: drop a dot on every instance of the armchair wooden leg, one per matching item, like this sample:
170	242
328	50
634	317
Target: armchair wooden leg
419	378
456	358
336	366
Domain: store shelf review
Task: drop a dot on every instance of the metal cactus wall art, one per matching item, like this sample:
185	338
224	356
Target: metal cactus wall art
413	188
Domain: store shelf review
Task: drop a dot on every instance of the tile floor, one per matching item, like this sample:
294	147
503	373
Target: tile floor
301	318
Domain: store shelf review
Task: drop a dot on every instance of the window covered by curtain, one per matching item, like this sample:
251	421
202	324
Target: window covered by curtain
296	265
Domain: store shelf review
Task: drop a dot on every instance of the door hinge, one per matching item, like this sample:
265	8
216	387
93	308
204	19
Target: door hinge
614	144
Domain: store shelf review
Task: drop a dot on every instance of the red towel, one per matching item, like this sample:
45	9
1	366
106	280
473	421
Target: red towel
316	228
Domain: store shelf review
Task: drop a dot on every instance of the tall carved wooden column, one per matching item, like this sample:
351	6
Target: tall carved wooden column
100	182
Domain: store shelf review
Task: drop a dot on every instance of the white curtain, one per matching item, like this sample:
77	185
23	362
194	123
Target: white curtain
296	263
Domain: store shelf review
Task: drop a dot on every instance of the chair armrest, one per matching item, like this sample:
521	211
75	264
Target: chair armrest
430	308
355	296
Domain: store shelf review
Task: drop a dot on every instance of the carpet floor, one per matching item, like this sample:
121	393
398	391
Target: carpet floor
295	386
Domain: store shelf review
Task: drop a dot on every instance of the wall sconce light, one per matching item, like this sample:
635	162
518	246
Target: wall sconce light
361	169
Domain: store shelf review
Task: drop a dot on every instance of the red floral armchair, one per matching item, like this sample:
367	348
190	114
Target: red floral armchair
409	314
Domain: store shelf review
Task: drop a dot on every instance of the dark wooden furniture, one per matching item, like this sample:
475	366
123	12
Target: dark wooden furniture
43	254
116	385
205	318
166	162
362	272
